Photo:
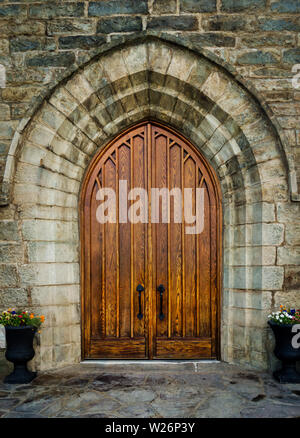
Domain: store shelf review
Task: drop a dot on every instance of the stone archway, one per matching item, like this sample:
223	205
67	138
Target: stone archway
162	81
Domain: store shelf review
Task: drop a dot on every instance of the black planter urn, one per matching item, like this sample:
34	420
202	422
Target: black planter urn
19	350
285	352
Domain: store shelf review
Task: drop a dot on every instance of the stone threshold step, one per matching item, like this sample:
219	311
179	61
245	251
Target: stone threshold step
144	362
152	365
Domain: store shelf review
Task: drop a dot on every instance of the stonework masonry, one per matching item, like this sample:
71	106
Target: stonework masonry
220	71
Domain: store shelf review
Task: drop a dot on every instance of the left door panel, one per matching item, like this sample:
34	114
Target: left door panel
114	255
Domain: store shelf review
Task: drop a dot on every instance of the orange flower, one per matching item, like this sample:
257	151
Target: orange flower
42	318
31	316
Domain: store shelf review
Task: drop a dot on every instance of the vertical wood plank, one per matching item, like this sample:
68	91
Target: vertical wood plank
139	235
124	164
175	250
111	258
205	267
190	262
160	148
96	268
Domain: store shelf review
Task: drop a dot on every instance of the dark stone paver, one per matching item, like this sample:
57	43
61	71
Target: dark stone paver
151	390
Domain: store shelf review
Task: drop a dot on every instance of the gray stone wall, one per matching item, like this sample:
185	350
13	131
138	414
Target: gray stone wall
42	43
41	40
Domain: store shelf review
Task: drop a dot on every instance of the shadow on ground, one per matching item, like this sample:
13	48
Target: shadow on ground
185	390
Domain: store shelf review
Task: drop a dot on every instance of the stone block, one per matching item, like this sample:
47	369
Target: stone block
4	112
48	230
41	135
215	85
75	333
258	57
62	354
288	255
291	56
61	316
271	169
118	7
247	299
135	58
265	234
80	88
229	23
258	277
9	230
61	335
242	317
20	94
278	24
286	6
50	10
242	5
246	337
159	57
7	212
61	295
63	101
292	278
250	213
25	44
35	155
119	24
81	42
292	234
173	22
209	39
52	252
61	59
28	27
13	297
29	174
250	256
198	5
70	26
48	212
11	253
30	194
289	299
50	116
8	276
7	129
13	10
274	40
39	274
163	7
288	212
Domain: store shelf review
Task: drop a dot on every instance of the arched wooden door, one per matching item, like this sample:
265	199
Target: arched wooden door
181	319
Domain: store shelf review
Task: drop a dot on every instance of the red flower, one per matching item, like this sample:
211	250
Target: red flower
20	316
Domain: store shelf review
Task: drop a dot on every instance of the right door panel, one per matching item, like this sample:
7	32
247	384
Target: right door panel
185	281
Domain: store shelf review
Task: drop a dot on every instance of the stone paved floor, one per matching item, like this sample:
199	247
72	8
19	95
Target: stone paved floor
201	390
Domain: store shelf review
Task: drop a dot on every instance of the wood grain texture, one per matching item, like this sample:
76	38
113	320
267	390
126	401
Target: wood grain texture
116	257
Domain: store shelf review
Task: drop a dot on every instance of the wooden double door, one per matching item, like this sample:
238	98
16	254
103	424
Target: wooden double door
150	290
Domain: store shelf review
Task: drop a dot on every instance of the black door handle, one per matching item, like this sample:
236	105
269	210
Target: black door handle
140	289
161	290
